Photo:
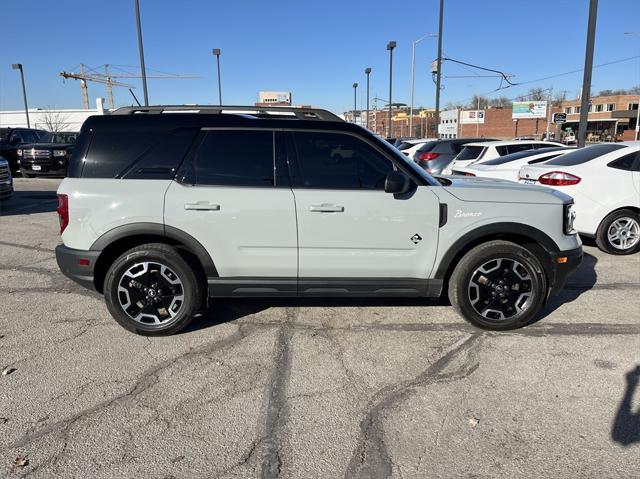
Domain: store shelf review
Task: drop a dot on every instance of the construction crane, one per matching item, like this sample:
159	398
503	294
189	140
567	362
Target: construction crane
97	78
107	78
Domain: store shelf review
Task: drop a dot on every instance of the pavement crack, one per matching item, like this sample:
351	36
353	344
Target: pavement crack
370	457
146	381
277	406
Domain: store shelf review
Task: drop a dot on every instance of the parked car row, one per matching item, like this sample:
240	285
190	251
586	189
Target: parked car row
603	179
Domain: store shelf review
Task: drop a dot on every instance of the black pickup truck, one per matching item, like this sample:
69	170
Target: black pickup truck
13	139
49	156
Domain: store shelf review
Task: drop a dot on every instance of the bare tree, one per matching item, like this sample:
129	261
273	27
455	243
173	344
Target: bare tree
55	121
537	94
559	97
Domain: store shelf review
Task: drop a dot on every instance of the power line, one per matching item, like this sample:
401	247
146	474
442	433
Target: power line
528	82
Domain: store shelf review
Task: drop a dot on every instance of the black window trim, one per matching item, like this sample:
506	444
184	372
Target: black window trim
187	163
292	157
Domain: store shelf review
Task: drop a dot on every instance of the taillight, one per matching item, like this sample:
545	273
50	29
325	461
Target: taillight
63	211
559	178
428	156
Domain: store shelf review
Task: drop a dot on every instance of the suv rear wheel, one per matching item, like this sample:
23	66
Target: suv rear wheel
619	233
498	285
152	290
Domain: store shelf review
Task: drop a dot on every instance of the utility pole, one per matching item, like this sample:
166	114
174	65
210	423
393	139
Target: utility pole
143	70
588	70
548	114
390	46
18	66
439	65
367	71
413	67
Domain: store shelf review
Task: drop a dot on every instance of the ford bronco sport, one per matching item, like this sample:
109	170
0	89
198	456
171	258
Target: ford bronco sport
166	207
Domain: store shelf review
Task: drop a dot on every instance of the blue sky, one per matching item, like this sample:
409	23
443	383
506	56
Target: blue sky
314	48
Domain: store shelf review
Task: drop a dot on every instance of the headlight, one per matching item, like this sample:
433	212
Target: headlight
59	153
569	218
19	152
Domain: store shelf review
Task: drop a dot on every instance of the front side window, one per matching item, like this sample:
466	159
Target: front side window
339	161
235	158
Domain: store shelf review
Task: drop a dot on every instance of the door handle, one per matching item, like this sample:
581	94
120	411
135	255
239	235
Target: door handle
202	206
327	208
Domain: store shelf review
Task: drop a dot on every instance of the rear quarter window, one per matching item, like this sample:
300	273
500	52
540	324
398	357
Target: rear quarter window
583	155
628	162
471	153
112	151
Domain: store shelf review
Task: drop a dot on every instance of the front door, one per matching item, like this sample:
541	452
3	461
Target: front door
348	227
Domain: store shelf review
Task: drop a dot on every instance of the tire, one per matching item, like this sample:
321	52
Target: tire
626	223
26	175
510	308
156	276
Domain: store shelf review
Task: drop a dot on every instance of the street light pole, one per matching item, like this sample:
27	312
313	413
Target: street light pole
143	70
355	105
390	46
638	109
18	66
588	70
439	65
413	66
367	71
216	52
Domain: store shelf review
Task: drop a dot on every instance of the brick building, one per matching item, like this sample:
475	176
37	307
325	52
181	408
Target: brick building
424	122
610	117
499	124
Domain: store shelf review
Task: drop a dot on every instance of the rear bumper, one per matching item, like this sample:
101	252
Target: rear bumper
562	268
69	263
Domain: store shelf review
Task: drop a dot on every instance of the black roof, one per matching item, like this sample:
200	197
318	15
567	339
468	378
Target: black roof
171	117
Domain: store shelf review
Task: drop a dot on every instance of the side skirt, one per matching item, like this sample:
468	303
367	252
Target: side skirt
239	287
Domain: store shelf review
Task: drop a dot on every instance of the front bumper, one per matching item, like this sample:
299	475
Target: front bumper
6	190
69	263
563	263
44	167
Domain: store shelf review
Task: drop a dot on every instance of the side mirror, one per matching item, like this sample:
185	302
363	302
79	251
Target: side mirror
397	183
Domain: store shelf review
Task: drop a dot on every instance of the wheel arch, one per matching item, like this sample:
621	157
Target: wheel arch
536	241
118	240
635	209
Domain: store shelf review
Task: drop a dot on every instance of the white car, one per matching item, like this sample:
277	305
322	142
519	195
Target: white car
409	147
488	150
507	167
604	181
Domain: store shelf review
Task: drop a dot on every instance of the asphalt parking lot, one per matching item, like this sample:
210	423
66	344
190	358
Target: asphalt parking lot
285	388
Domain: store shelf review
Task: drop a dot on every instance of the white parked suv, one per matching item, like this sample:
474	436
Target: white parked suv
604	181
164	212
476	153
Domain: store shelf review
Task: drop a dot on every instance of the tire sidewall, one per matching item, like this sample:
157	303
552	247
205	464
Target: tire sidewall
173	261
480	256
602	237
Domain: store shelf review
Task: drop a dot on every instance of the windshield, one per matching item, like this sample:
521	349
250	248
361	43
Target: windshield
583	155
65	137
46	137
518	156
470	153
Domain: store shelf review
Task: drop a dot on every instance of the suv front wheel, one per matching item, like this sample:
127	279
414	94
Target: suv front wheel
498	285
152	290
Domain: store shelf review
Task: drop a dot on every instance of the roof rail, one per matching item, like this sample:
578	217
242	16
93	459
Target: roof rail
283	112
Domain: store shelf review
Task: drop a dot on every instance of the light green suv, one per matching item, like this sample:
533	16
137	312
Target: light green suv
162	213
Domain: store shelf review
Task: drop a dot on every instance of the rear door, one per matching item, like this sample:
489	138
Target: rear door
348	227
233	198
